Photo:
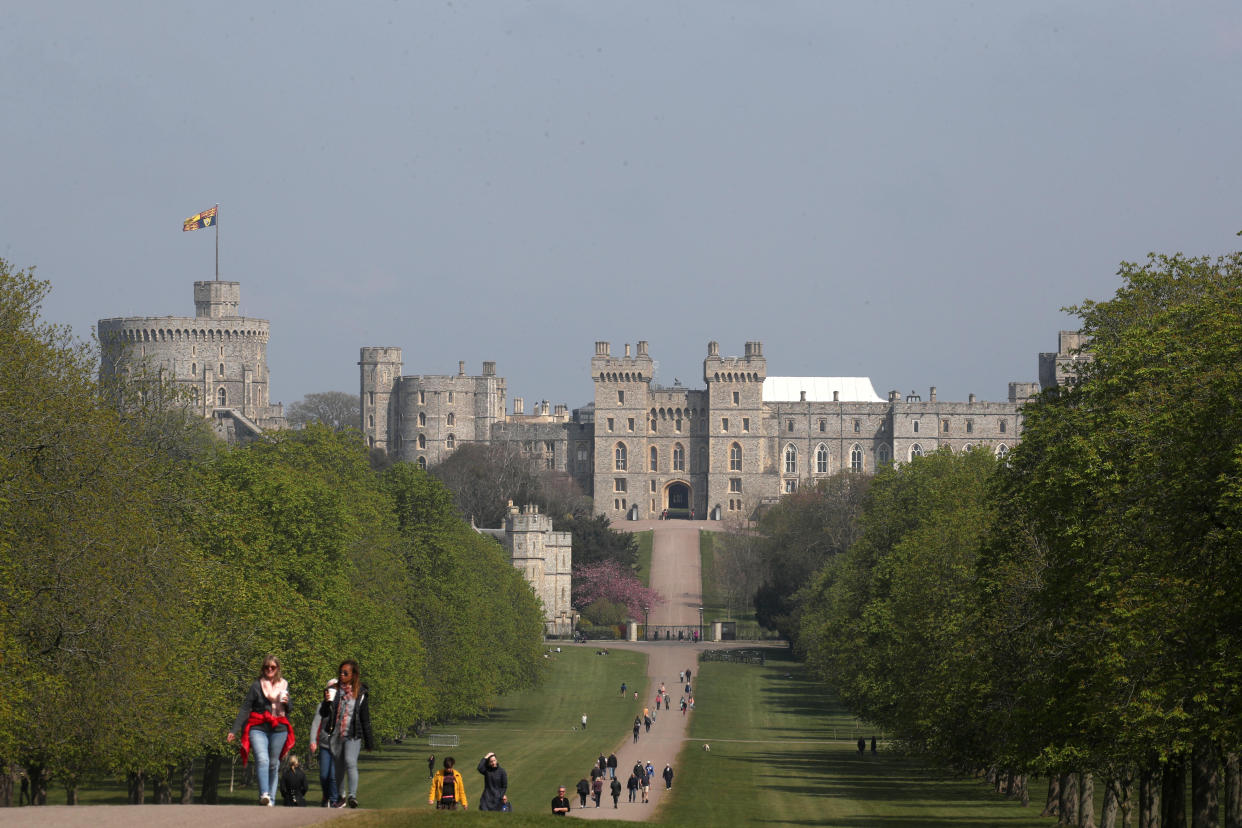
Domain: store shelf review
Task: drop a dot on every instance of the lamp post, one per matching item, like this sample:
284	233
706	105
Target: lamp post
700	623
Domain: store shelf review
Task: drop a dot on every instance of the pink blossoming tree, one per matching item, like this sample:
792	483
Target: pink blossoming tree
610	581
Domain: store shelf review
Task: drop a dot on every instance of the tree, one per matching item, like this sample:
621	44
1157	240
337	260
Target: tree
485	478
335	409
609	581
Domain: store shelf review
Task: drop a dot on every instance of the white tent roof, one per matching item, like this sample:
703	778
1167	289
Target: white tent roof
819	389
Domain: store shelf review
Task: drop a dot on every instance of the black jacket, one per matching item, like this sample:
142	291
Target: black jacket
359	722
255	702
495	784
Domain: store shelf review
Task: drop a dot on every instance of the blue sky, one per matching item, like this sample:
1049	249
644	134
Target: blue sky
905	191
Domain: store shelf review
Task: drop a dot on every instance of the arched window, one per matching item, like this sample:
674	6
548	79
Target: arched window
883	457
916	451
679	457
791	460
621	457
452	420
451	442
422	419
221	369
735	457
422	462
654	460
422	441
1002	451
856	458
371	421
223	397
193	369
821	459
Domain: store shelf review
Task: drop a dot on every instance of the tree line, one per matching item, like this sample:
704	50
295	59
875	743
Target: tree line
1075	611
146	569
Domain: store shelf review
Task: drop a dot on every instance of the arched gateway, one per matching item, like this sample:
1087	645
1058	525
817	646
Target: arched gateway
677	499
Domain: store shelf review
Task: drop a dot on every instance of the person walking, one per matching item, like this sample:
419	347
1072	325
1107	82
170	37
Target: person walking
668	777
448	789
293	784
623	688
602	761
862	746
349	728
584	790
645	781
873	746
431	760
632	786
637	727
560	805
687	674
683	705
320	745
263	724
495	783
597	790
612	766
659	699
584	721
615	789
647	723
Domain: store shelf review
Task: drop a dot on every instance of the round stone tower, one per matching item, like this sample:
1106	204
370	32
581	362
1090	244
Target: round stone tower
379	370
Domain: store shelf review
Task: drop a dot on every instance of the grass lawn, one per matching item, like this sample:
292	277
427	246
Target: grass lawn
643	558
785	753
536	734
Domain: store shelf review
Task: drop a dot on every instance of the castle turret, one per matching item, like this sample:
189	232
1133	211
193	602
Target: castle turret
379	370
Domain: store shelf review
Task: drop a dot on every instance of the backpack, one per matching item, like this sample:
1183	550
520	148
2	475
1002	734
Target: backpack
448	789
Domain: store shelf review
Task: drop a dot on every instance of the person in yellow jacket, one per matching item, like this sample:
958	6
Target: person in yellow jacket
447	788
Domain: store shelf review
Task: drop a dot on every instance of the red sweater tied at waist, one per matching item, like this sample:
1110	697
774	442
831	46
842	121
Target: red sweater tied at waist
264	719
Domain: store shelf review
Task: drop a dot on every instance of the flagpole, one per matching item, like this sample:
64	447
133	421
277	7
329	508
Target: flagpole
217	241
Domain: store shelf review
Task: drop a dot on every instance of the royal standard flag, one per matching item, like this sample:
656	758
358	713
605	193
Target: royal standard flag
198	220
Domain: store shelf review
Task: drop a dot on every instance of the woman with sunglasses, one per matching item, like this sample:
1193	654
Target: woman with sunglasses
263	724
348	725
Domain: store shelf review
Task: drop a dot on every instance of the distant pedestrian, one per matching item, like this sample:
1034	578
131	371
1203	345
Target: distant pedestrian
447	788
683	705
873	746
862	746
495	783
584	721
24	797
584	790
668	777
681	677
431	765
632	786
560	805
615	789
612	766
597	790
687	674
623	688
596	773
649	769
659	699
637	727
647	723
645	781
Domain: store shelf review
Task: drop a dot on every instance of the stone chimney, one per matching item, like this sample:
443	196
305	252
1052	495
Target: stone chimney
932	395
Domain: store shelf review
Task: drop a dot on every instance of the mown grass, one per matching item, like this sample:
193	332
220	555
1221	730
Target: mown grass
536	734
642	560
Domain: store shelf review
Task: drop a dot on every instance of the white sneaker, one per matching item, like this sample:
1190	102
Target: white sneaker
271	803
265	800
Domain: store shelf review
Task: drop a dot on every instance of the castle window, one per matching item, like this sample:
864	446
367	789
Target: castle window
422	419
653	486
422	397
654	461
970	426
652	425
735	484
677	425
679	457
882	456
451	419
1002	451
1002	426
370	398
222	369
916	426
451	442
371	421
789	425
746	424
223	397
610	423
857	426
194	372
856	458
823	424
791	485
616	503
422	441
620	455
737	398
620	398
821	459
450	396
944	426
630	424
618	484
791	460
724	423
735	457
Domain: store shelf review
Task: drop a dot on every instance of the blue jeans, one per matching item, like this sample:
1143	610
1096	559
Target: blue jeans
345	765
327	780
266	748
